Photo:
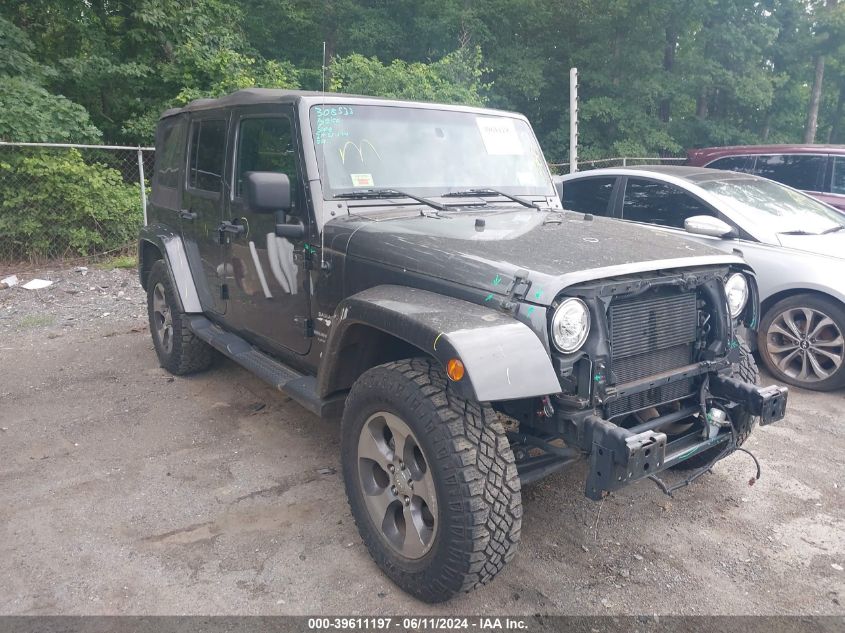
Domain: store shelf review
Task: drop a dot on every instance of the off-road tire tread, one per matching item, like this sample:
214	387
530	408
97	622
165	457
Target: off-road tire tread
485	503
190	354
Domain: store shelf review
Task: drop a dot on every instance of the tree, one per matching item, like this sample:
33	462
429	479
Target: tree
456	78
824	41
28	111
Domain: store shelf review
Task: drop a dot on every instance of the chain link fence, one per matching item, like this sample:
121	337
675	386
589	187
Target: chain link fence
68	203
619	161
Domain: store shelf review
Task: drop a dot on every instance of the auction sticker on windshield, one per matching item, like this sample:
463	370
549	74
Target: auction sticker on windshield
362	180
499	135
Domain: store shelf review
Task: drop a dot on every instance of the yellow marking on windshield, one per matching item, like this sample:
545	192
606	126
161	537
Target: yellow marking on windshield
359	148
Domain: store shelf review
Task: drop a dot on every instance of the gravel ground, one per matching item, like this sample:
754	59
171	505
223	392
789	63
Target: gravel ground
77	298
126	491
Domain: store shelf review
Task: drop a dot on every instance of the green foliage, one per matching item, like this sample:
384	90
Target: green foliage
16	54
219	72
57	205
656	76
29	113
456	78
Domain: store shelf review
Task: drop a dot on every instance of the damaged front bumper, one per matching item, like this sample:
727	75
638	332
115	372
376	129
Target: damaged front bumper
620	456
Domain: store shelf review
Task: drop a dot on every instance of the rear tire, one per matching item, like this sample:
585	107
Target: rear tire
465	508
179	350
801	341
743	422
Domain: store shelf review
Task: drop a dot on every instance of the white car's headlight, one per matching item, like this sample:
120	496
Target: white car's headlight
570	325
736	288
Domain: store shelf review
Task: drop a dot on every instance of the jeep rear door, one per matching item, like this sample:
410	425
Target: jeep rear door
202	207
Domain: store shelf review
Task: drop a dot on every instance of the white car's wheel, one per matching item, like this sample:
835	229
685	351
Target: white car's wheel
801	340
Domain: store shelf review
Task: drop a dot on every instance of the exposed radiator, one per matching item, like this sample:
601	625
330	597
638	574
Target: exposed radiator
649	336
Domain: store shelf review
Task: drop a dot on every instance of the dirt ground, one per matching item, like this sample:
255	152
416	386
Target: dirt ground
126	491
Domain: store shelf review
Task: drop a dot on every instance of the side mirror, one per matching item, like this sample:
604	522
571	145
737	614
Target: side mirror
267	191
708	225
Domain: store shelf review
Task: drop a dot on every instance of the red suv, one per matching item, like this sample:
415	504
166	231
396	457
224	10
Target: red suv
818	170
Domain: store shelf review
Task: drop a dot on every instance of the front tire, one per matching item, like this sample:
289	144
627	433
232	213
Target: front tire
801	340
431	480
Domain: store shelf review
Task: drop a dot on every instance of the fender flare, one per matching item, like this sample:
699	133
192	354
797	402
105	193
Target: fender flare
504	359
169	243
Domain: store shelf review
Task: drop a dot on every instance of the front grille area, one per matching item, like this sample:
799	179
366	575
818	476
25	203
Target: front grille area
650	398
629	368
650	335
639	326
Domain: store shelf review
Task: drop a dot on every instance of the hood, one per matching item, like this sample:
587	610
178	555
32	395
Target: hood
832	244
554	250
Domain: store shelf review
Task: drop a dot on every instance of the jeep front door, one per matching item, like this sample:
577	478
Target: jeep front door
270	289
201	210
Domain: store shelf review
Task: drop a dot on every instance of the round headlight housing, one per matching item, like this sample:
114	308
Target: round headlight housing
570	325
736	289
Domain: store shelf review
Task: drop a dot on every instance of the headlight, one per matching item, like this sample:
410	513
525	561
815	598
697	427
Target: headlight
570	325
736	287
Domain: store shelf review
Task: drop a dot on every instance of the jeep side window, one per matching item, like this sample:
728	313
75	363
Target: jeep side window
794	170
208	149
744	164
590	195
660	203
169	154
265	144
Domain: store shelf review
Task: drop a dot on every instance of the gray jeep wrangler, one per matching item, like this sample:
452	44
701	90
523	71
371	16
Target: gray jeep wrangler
407	268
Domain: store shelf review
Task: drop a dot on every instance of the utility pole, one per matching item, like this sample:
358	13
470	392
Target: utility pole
573	120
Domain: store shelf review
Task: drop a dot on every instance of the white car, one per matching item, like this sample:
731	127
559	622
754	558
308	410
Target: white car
795	243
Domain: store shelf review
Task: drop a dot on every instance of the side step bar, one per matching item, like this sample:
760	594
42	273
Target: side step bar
301	388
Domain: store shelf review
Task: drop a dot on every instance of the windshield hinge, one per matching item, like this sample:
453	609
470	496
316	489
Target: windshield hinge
520	286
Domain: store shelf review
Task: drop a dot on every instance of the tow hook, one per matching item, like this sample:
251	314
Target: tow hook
717	419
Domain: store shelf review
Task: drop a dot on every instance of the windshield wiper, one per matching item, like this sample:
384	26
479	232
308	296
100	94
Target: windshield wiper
833	229
798	232
365	194
487	191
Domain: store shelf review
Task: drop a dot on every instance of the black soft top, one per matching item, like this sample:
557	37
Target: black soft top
259	96
247	96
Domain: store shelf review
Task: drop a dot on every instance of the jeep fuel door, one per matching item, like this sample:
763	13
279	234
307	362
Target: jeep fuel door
270	286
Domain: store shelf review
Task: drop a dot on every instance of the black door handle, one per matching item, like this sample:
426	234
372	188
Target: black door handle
187	215
230	228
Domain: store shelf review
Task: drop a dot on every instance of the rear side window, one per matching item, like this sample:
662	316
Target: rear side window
734	163
794	170
660	203
169	147
208	149
837	182
590	195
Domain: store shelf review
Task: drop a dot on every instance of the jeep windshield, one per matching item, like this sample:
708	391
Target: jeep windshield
425	152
